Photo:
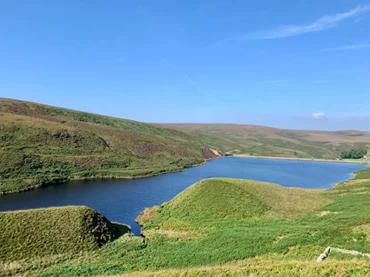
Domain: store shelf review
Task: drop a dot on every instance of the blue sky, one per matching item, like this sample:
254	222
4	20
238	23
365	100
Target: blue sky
289	64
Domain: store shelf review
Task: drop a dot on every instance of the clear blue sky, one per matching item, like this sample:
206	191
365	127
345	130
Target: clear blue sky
291	64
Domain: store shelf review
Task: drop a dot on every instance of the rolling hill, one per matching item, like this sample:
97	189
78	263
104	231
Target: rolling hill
265	141
41	144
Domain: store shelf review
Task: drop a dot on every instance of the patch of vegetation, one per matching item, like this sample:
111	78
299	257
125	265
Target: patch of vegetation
355	153
249	228
261	268
363	174
227	199
42	237
40	232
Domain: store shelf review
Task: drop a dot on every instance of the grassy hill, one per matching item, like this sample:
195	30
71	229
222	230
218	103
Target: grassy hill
40	145
266	141
227	199
227	227
42	237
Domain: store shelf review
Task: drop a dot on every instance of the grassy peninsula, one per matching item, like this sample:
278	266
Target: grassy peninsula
228	227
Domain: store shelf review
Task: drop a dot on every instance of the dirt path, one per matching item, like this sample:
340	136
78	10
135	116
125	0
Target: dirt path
350	252
329	250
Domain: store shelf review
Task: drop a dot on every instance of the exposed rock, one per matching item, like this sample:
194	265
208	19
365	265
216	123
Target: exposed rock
101	228
324	255
61	135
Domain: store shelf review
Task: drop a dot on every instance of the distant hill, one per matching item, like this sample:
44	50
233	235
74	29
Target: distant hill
266	141
41	144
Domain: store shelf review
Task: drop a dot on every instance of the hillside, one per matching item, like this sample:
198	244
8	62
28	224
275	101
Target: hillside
266	141
228	227
41	144
47	236
229	199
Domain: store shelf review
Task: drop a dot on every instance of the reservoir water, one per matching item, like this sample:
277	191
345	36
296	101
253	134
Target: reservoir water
123	200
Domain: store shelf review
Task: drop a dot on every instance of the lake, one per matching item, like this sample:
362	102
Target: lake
123	200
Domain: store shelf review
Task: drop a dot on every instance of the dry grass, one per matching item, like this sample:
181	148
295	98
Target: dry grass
178	235
147	214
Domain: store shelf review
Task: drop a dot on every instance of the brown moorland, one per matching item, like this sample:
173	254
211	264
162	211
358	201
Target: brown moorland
266	141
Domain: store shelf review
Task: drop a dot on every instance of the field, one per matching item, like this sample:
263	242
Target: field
228	227
265	141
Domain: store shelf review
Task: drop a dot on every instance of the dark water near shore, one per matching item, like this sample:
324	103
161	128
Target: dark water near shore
123	200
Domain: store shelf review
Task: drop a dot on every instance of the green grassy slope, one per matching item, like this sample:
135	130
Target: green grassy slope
241	199
265	141
226	227
363	174
40	144
43	236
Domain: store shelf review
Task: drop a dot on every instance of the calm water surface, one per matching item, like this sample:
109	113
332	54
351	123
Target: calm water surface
123	200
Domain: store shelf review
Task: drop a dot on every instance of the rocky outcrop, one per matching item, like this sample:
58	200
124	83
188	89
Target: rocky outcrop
324	255
101	228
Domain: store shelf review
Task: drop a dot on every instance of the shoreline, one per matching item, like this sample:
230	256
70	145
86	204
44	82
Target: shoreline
352	177
74	178
299	159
